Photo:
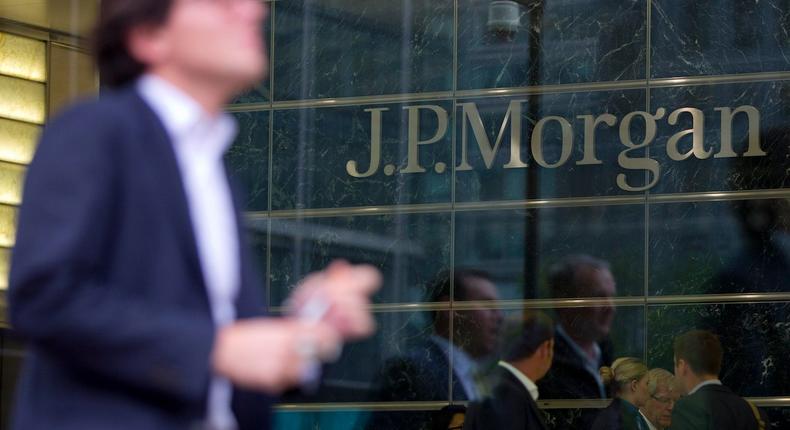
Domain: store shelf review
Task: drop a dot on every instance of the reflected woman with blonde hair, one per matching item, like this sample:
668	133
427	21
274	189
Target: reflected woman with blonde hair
627	378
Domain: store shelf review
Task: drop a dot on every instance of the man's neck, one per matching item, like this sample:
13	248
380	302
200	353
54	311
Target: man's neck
209	95
694	380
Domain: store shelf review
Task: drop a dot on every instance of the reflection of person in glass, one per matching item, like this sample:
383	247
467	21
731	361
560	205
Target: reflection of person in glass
628	378
582	344
657	411
527	358
707	404
422	373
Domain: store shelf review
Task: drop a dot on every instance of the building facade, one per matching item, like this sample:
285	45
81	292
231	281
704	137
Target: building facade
435	137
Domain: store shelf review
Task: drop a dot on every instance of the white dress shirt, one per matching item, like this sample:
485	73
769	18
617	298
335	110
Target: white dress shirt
524	379
650	425
591	364
464	367
199	142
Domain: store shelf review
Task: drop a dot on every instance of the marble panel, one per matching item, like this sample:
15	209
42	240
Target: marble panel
755	339
517	44
550	146
362	156
403	362
521	249
352	420
720	247
722	137
247	160
410	250
347	48
714	37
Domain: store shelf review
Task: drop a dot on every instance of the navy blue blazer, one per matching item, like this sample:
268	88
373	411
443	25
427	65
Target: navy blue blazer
620	415
106	284
510	407
716	407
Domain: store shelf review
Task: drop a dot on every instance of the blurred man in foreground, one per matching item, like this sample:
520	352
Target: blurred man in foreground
130	278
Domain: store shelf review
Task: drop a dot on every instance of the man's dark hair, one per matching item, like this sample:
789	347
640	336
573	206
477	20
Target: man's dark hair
528	334
116	19
701	349
563	276
442	285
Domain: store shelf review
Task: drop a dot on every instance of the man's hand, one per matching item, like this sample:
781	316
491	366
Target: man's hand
339	296
272	354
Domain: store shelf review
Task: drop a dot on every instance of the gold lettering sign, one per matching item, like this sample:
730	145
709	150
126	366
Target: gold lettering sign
682	145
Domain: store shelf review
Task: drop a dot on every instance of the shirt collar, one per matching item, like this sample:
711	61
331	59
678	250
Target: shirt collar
524	379
704	383
578	350
181	115
462	362
650	425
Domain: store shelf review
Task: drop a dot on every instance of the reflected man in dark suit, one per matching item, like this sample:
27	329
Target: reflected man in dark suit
421	373
512	406
708	404
582	344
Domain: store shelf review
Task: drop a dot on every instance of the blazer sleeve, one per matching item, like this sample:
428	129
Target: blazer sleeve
61	295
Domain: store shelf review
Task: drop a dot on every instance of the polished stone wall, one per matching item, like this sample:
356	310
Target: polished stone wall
649	134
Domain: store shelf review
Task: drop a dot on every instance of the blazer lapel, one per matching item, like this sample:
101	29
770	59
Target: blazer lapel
162	159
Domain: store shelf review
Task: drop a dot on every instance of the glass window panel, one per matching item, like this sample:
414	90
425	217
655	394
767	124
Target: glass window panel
353	420
18	141
719	37
410	250
401	363
23	57
755	339
12	179
22	100
7	226
720	247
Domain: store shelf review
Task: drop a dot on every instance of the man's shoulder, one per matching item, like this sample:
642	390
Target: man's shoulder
101	111
712	404
88	126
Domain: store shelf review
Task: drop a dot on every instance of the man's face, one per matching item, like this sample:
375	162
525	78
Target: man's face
658	407
217	40
478	330
592	323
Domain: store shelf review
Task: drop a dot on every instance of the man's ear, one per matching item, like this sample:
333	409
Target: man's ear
147	44
681	366
546	348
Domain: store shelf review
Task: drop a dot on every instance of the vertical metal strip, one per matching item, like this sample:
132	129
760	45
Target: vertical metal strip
648	54
452	197
270	189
